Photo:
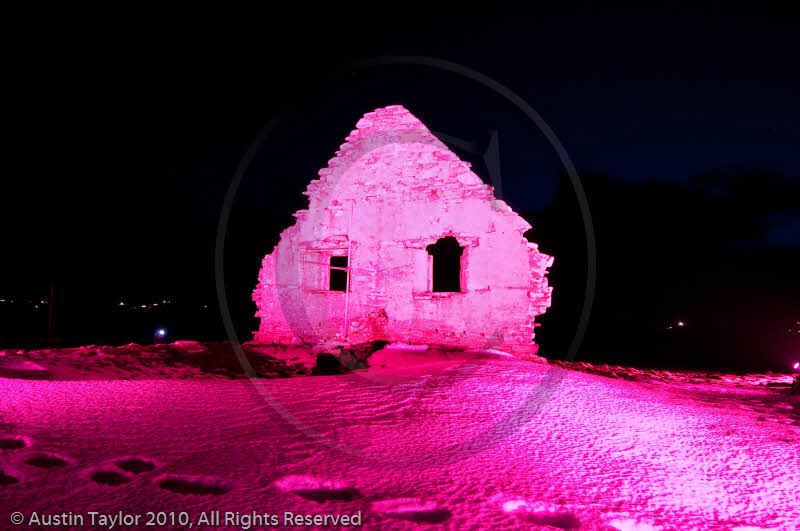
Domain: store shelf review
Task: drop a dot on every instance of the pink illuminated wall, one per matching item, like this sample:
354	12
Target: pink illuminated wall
391	190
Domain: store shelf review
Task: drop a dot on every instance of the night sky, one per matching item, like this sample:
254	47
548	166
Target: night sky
682	122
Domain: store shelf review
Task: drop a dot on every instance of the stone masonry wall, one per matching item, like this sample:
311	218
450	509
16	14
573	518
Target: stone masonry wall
393	189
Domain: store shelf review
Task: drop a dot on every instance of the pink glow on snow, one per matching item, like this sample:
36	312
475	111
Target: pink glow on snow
602	453
628	524
392	190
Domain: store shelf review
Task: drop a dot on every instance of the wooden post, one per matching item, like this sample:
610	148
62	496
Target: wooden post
349	265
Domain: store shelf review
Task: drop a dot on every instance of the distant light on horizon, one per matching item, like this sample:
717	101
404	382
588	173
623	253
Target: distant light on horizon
797	365
161	332
681	323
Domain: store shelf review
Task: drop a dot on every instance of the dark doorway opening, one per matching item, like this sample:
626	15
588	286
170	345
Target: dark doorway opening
338	277
446	254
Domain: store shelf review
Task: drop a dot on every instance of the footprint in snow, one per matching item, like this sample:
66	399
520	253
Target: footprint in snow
47	460
413	510
629	524
109	478
135	465
7	479
750	528
317	489
200	485
542	513
14	442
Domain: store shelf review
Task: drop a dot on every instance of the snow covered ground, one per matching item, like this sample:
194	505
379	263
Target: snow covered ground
464	442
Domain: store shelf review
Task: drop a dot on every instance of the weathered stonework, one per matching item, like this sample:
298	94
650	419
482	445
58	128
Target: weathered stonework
391	190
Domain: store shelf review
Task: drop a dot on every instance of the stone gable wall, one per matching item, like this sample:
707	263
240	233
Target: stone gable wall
394	188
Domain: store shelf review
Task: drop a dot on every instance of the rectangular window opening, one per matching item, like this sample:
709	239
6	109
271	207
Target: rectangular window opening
446	274
338	273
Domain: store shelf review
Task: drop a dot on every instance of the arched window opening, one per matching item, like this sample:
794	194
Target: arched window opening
446	253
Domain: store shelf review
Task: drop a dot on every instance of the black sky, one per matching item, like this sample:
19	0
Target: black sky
127	127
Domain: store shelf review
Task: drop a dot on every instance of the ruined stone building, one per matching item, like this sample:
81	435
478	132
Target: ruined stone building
402	242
